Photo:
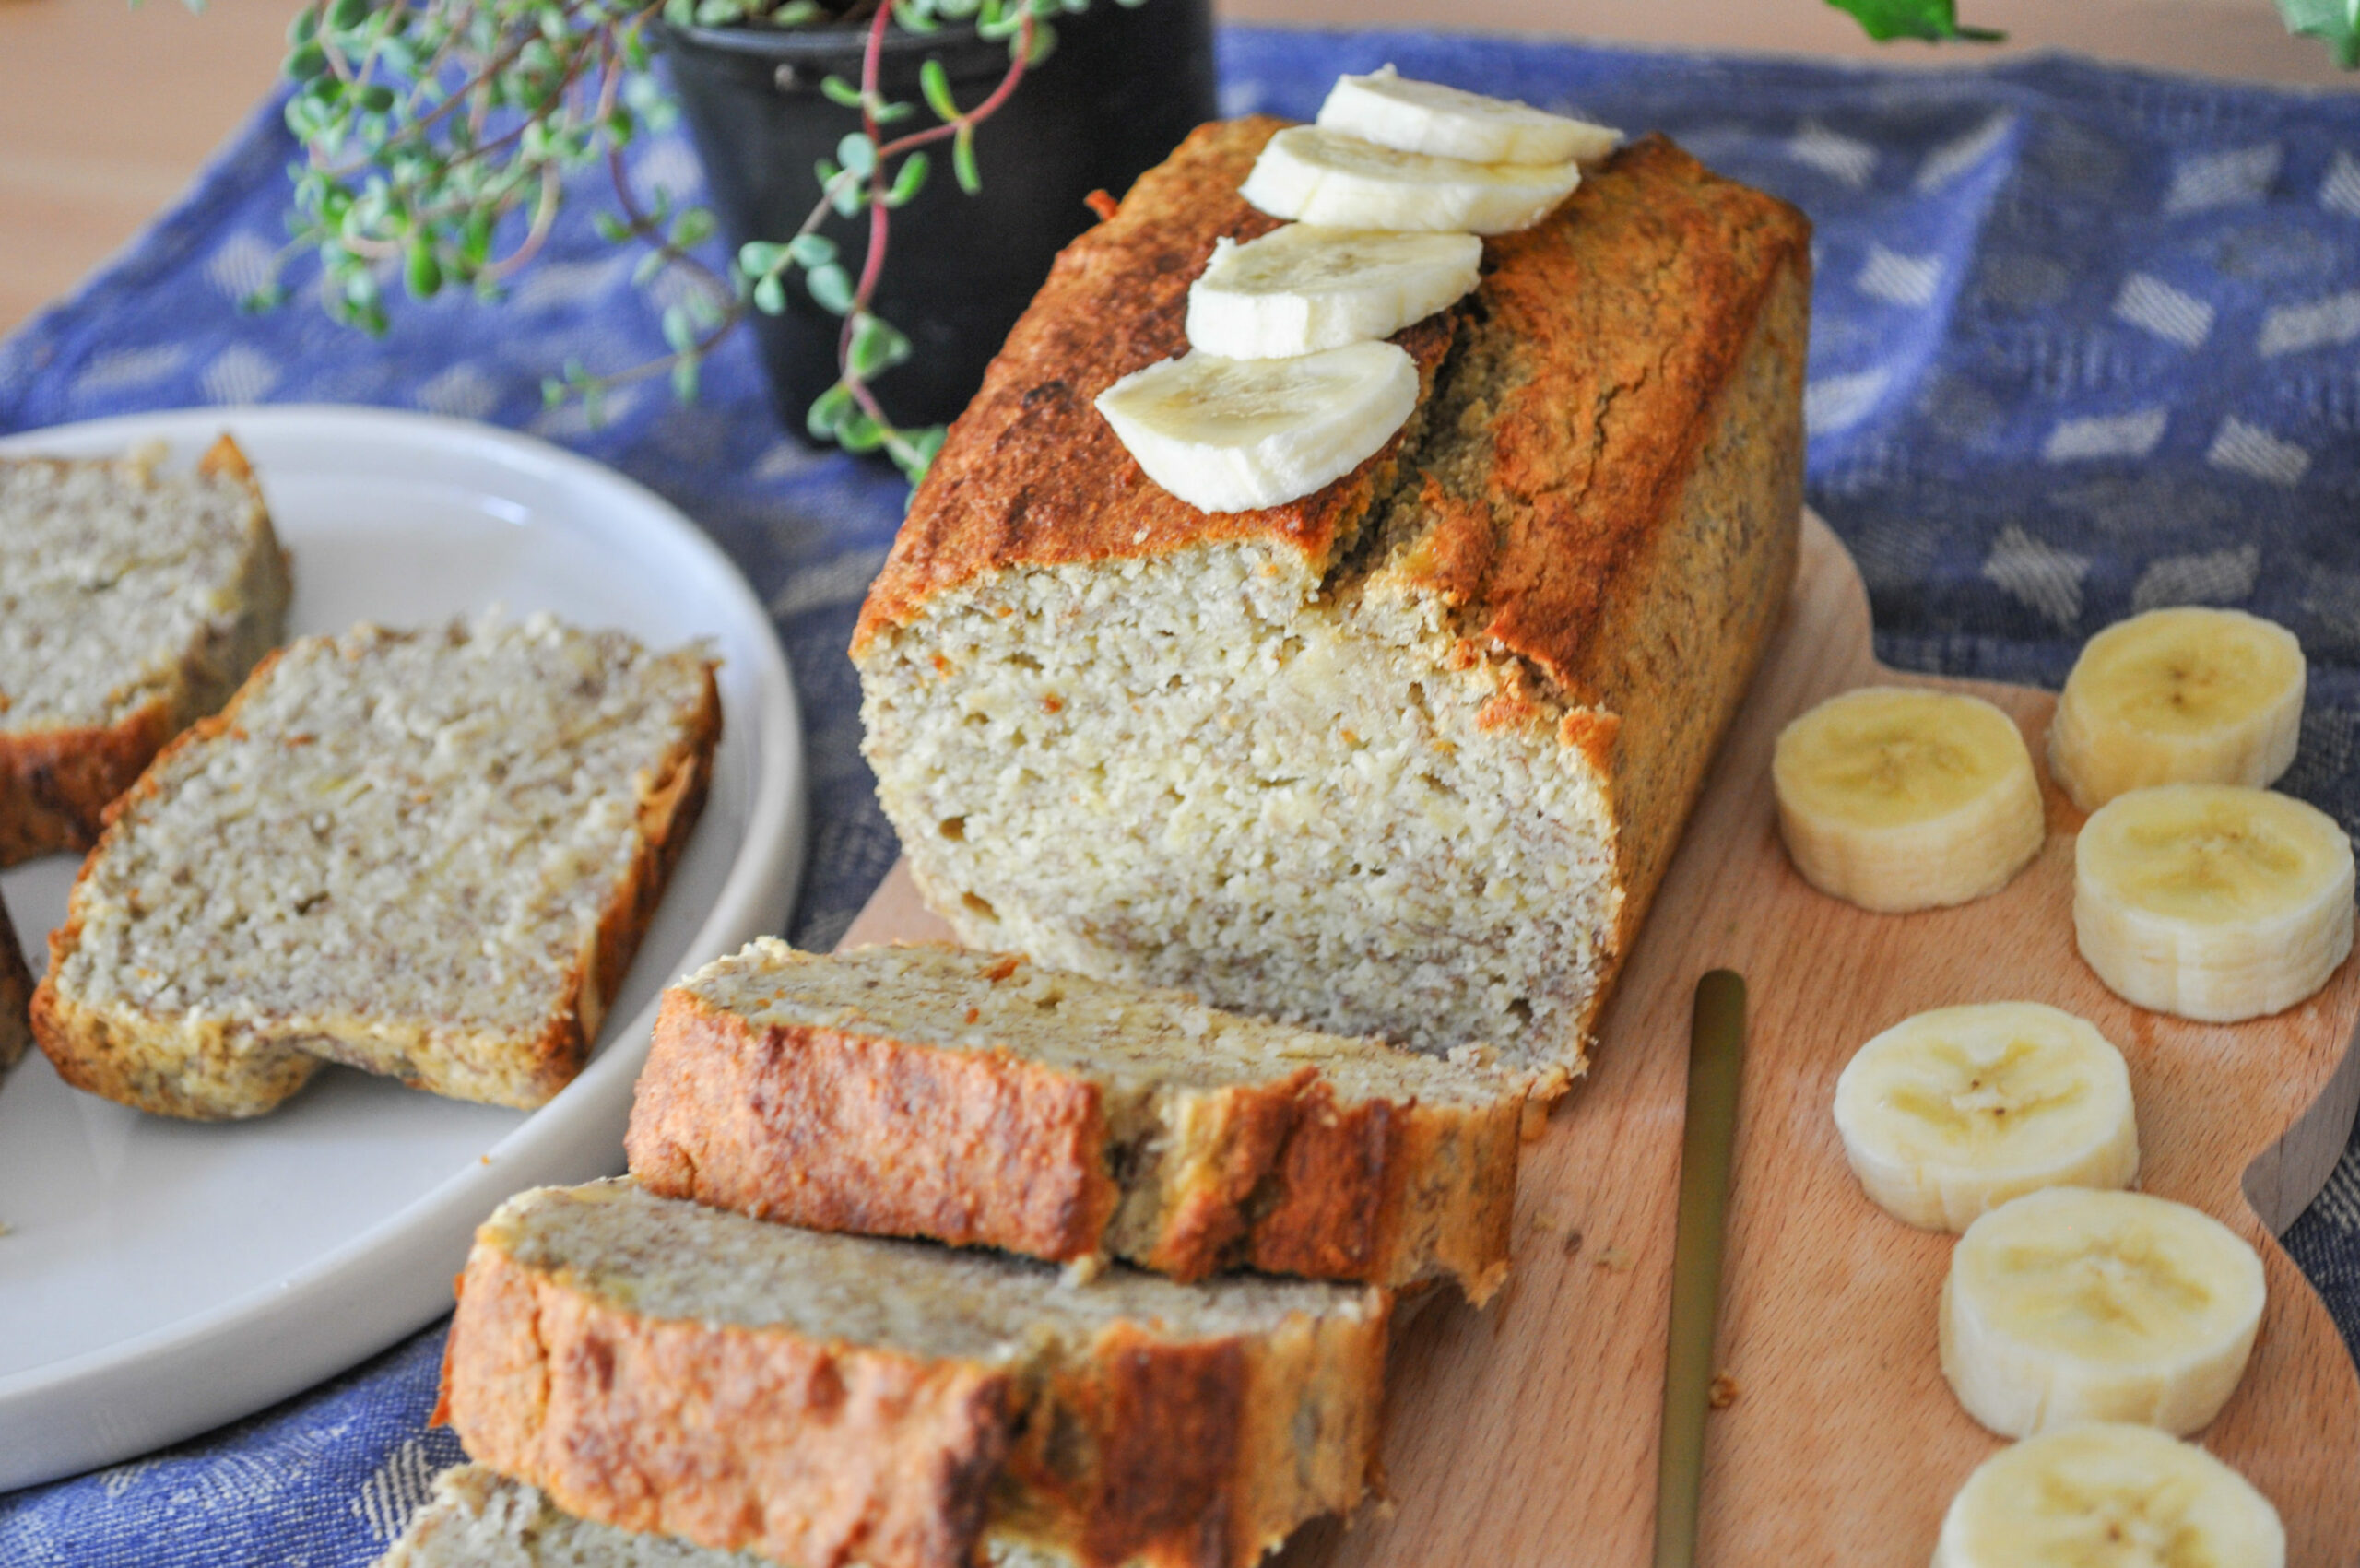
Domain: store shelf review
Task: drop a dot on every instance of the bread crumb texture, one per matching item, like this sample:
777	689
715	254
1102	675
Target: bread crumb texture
979	1098
825	1399
132	603
423	853
1406	758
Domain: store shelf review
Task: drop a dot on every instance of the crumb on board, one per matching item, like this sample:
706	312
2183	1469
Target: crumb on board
1613	1259
1723	1393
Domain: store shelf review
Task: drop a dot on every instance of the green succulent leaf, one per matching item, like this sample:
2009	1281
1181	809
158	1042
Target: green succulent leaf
858	154
962	160
811	250
877	346
838	90
934	81
1936	20
770	295
908	181
831	287
2334	22
827	410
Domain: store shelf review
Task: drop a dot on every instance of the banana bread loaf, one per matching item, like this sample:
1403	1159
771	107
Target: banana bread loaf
428	854
974	1097
823	1399
1405	758
132	603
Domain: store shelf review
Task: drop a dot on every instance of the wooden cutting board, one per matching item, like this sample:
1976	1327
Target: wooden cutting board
1526	1434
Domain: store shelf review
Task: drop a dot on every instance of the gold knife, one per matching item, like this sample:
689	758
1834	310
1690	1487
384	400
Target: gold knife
1716	1063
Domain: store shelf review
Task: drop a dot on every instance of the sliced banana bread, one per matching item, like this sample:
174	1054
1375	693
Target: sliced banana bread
1405	757
15	996
480	1518
976	1097
427	853
132	603
823	1399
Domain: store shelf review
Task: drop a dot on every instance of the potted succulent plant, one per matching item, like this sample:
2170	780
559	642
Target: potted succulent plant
892	179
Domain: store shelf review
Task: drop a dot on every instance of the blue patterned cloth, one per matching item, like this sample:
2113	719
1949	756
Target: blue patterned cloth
2085	341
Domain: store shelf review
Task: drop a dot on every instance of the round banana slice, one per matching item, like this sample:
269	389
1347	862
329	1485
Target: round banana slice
1948	1115
2211	902
1391	111
2070	1305
1898	799
2108	1495
1232	435
1302	287
1315	176
2178	696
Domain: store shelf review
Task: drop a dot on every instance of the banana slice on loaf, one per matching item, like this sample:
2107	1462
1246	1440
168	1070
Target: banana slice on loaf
1391	110
2178	696
2108	1495
1317	176
2070	1305
2212	902
1304	288
1950	1114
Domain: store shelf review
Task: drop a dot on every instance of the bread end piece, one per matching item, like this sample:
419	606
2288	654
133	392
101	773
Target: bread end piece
823	1400
58	780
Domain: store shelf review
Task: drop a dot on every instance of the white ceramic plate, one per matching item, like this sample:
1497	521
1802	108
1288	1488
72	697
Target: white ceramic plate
159	1278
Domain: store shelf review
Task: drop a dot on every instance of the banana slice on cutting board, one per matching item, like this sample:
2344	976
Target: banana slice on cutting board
1304	288
1231	435
2070	1306
2108	1495
1895	799
1391	111
2178	696
1315	176
1950	1114
2211	902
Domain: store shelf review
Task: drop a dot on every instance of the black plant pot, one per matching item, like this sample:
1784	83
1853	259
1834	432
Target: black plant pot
1120	90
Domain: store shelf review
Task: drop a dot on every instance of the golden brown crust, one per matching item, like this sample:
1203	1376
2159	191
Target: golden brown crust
55	785
1628	308
735	1438
1137	1450
207	1072
1033	476
668	815
840	1130
15	996
850	1132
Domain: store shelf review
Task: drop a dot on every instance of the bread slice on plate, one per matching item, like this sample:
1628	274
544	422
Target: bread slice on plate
822	1399
424	853
132	603
1407	756
480	1518
15	996
976	1097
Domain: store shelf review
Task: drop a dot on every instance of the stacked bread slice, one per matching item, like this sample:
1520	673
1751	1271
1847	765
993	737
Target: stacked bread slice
662	1355
428	854
132	603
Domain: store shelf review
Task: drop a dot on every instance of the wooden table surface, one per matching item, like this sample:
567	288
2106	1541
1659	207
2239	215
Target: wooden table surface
106	110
